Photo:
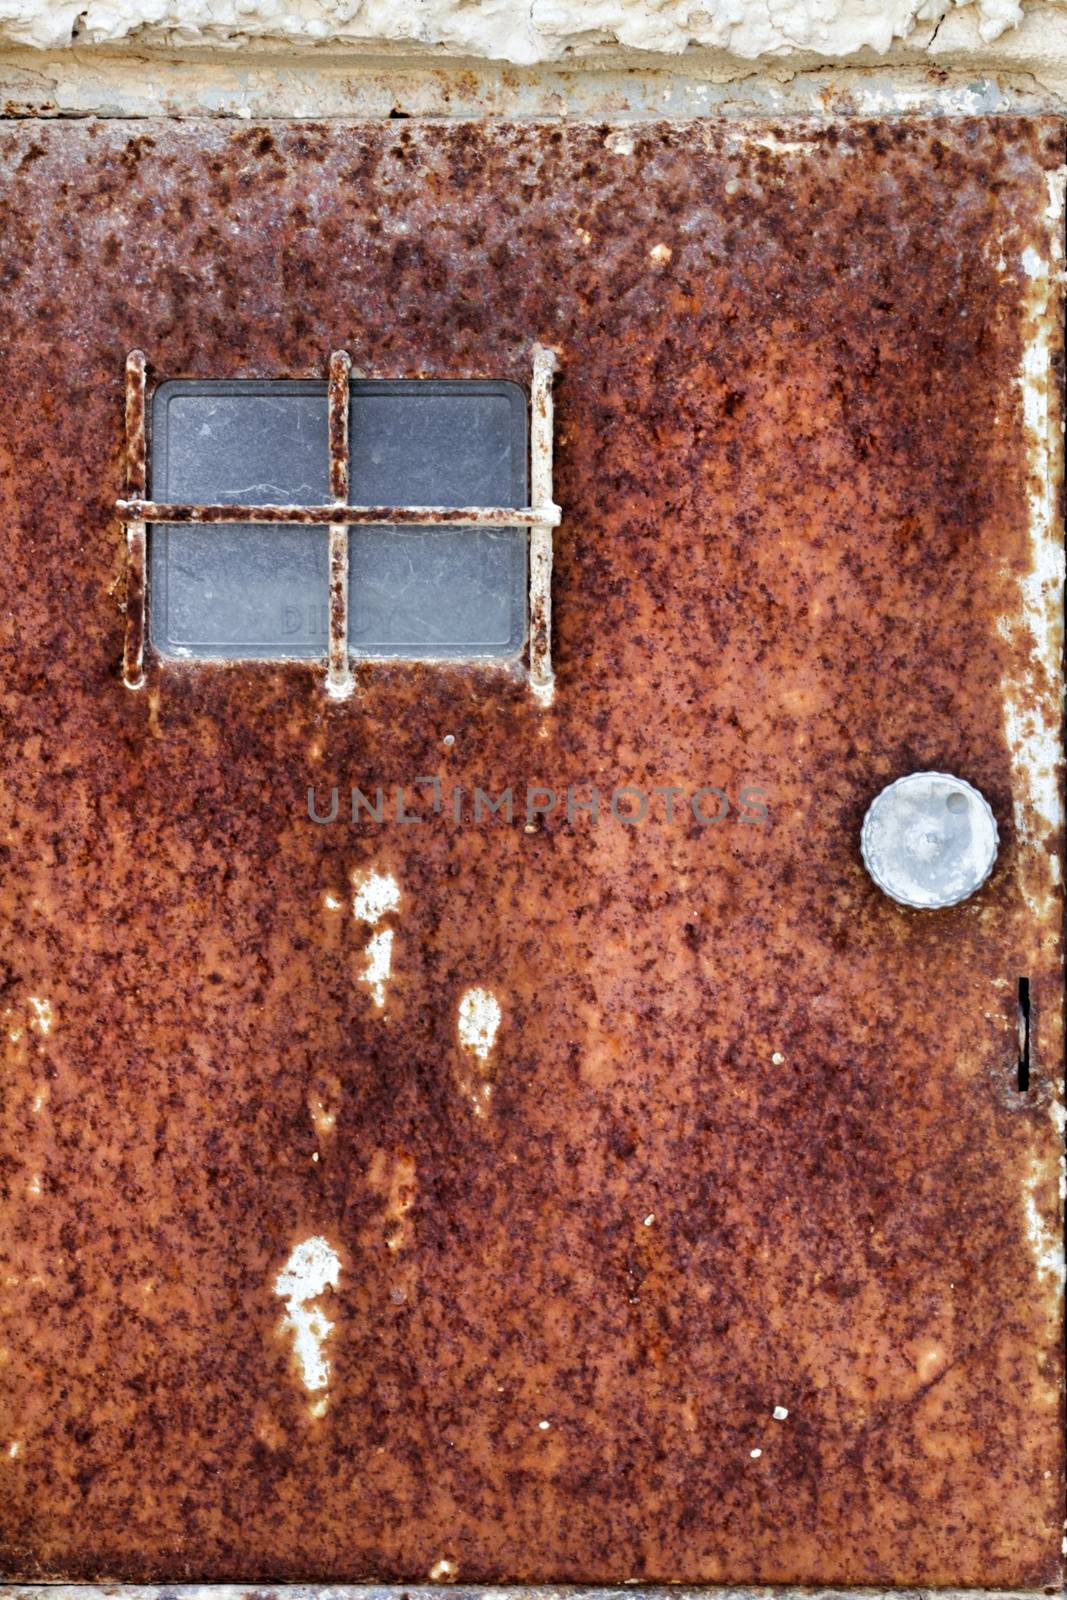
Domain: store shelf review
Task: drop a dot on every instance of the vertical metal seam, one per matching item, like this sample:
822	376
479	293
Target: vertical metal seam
136	537
339	681
542	677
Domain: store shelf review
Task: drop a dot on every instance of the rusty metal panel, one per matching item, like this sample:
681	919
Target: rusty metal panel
543	1197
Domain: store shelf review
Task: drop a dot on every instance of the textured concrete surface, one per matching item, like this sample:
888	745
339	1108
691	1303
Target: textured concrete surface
544	30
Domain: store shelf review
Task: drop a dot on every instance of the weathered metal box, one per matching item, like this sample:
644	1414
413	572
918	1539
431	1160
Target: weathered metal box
595	1190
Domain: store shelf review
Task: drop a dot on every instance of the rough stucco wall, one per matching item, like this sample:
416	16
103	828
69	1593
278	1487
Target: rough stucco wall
523	33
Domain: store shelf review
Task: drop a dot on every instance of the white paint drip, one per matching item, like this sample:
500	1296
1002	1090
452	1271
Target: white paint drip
479	1019
312	1268
379	954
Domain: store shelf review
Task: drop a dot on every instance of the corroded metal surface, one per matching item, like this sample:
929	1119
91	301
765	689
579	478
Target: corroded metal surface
461	1200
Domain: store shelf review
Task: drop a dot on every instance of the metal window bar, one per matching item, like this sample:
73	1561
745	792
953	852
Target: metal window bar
338	672
136	511
136	533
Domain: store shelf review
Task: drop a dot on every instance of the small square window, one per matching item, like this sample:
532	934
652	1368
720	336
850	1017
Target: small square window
249	591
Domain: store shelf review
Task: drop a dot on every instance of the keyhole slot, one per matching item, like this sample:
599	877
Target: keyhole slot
1022	1067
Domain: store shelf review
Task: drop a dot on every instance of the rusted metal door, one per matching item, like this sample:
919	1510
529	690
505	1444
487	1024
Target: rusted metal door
659	1200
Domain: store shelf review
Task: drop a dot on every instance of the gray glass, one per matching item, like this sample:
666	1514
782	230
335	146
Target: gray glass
243	591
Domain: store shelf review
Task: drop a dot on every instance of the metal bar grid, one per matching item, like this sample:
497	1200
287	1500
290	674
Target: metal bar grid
136	511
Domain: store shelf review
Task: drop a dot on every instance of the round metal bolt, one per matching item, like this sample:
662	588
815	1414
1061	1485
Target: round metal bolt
929	840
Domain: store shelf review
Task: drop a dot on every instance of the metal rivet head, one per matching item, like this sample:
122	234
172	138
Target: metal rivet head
929	840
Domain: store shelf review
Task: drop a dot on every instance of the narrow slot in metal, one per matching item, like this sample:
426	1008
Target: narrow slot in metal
1022	1068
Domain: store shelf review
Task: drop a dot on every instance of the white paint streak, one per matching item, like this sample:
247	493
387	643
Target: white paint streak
312	1268
376	895
1032	717
379	957
1045	1241
479	1019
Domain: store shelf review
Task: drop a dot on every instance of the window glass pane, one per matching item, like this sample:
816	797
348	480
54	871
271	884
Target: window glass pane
438	591
239	590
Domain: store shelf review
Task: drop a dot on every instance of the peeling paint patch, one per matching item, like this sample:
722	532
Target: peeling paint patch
479	1019
376	893
43	1018
1045	1240
477	1023
312	1268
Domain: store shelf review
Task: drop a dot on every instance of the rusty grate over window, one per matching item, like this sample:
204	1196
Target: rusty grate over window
426	581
